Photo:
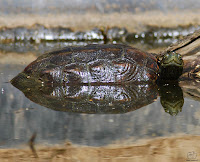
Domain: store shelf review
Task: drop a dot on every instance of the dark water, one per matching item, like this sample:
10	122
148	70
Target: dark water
20	118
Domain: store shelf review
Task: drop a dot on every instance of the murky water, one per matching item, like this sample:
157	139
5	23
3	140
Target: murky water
20	118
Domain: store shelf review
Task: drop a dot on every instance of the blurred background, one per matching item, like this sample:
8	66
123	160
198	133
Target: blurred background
146	24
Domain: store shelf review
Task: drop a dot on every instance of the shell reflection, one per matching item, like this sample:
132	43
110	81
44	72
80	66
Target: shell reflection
92	99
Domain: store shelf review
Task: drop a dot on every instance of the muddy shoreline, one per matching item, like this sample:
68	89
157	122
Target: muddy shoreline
138	22
179	148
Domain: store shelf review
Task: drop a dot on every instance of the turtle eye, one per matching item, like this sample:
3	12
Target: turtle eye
179	56
167	55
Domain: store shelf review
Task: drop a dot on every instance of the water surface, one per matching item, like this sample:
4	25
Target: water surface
20	118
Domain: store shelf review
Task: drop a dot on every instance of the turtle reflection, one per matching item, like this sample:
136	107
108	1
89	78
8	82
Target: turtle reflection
171	98
105	99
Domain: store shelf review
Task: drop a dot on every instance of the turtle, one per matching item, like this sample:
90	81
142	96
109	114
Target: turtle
111	78
101	64
95	78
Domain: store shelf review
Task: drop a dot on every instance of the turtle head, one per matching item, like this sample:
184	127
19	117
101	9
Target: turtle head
170	66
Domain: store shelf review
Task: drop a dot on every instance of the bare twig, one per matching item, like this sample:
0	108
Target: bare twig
32	143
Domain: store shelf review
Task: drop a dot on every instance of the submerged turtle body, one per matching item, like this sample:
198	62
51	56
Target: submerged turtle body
93	64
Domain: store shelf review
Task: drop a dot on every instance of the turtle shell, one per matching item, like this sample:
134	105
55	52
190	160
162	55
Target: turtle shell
93	64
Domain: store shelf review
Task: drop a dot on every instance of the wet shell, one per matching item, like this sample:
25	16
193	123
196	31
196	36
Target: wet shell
94	64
